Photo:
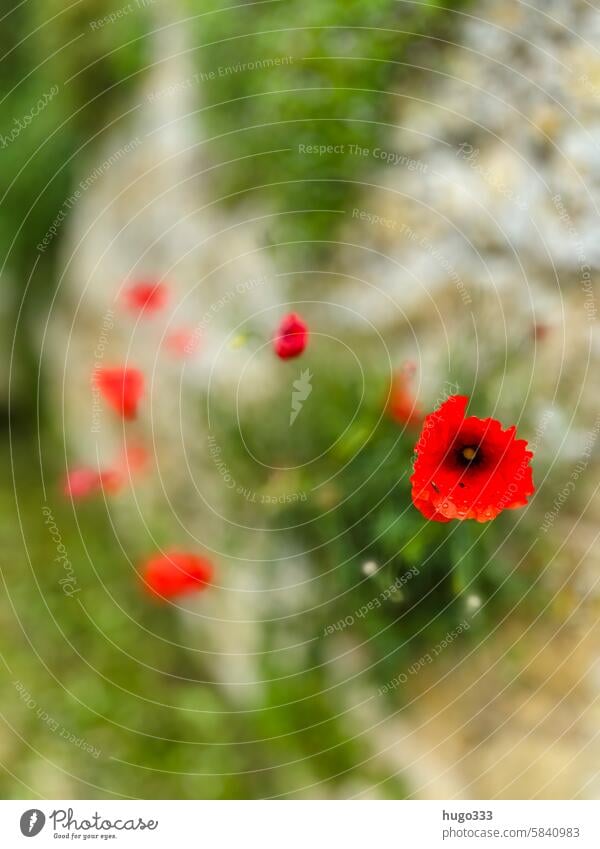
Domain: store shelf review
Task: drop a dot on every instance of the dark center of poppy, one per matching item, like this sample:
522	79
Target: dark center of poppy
469	455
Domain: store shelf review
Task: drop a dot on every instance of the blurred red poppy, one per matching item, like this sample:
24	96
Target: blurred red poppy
176	573
467	467
402	405
81	482
122	389
146	296
291	337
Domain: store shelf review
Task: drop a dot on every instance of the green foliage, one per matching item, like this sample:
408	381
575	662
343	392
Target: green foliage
277	75
104	665
89	69
431	577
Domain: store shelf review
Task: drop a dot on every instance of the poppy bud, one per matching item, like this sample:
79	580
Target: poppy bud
291	337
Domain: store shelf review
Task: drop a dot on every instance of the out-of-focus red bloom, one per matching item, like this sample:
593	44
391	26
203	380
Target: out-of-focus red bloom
85	482
467	467
177	573
146	296
111	481
540	331
122	389
291	337
402	405
81	482
182	342
135	458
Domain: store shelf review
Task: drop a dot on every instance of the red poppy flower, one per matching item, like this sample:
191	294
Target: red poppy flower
122	388
468	468
291	338
176	573
402	405
146	296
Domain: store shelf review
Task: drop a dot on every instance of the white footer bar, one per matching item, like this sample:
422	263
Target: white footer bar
301	824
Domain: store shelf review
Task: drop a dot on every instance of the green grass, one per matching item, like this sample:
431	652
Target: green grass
96	664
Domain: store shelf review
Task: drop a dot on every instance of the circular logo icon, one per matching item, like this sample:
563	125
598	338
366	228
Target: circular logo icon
32	822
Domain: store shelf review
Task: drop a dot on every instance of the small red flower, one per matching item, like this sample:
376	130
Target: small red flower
468	468
146	296
81	483
122	388
176	573
402	405
291	338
